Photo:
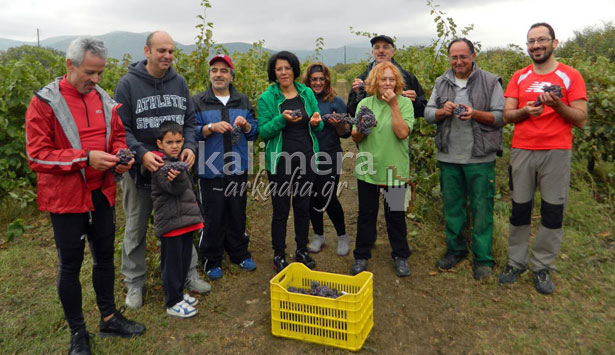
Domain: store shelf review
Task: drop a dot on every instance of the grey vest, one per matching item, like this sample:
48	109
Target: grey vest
52	96
487	138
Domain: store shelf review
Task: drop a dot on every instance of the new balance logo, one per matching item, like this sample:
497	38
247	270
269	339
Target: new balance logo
99	112
537	86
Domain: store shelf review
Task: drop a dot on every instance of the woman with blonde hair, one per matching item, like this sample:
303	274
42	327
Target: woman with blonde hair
383	164
318	78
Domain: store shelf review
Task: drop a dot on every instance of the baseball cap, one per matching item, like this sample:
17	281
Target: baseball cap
222	58
382	38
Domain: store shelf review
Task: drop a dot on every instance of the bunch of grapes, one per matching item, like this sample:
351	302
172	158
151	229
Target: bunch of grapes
340	117
365	120
459	110
175	165
554	89
296	113
125	155
235	135
317	290
361	94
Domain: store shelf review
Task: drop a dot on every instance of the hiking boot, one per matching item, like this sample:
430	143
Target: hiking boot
359	266
401	267
119	326
197	285
543	282
510	275
214	273
303	257
318	241
182	309
482	271
134	297
343	245
279	263
80	343
448	261
248	264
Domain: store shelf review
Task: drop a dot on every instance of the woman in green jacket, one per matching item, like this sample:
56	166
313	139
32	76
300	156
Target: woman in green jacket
288	116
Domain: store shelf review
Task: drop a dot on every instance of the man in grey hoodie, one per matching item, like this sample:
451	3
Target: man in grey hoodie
150	93
466	104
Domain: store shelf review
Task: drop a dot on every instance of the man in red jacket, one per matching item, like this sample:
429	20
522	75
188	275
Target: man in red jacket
73	132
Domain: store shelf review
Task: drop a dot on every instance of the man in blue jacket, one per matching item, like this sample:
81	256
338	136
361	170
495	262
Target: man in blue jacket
152	92
225	124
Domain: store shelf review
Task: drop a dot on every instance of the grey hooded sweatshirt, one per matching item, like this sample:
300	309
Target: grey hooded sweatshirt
148	101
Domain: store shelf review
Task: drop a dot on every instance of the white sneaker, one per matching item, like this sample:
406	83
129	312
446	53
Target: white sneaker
318	241
134	297
182	309
343	247
190	300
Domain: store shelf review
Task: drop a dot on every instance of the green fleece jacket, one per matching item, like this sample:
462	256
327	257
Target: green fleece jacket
271	122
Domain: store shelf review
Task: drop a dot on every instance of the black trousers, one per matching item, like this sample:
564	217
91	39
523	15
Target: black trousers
224	211
290	184
175	257
394	215
325	198
69	232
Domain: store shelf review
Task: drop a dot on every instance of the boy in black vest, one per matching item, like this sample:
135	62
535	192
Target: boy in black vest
176	217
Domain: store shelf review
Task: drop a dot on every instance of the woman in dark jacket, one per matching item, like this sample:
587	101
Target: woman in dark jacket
318	78
287	120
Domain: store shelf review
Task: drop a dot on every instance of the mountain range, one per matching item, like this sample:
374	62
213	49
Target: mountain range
120	43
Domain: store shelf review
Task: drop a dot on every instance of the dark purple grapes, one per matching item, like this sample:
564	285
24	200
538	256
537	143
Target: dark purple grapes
365	120
554	89
317	290
235	135
341	117
361	94
296	113
175	165
125	155
459	111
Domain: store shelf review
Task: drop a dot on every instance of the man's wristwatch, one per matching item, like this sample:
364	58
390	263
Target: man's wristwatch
209	127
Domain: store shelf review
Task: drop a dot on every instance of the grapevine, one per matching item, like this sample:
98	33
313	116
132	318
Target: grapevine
125	155
317	290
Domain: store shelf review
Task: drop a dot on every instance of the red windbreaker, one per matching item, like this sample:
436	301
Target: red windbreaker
61	187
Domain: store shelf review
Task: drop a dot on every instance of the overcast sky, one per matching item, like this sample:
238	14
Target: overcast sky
295	24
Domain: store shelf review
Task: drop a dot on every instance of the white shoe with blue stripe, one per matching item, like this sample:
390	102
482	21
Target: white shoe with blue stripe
190	300
182	309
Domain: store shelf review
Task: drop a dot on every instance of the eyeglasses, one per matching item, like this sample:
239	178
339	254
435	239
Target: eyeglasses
461	57
542	40
315	79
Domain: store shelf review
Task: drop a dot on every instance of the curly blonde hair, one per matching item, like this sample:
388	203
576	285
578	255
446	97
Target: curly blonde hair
377	72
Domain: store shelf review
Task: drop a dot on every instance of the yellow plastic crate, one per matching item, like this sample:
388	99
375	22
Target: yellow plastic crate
344	322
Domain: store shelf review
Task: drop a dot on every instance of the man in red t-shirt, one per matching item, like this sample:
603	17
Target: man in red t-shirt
540	155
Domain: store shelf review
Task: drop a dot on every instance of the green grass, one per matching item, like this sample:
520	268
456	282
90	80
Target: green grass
428	312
